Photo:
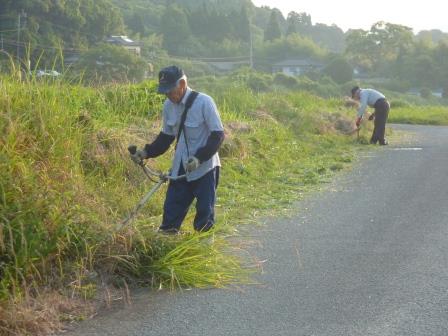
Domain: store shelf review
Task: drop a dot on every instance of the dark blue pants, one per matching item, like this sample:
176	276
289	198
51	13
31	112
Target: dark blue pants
180	195
381	113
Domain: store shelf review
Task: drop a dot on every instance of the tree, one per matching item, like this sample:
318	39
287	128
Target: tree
425	70
174	27
301	21
339	70
434	36
391	39
137	23
51	26
385	42
360	48
110	63
292	46
331	37
243	25
440	55
273	30
292	23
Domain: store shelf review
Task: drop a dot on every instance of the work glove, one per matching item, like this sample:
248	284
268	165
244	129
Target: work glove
372	116
192	164
139	156
358	121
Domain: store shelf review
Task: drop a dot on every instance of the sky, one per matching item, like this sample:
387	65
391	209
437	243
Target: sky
419	15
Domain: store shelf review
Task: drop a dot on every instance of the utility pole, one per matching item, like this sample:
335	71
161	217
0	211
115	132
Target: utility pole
22	14
251	48
18	37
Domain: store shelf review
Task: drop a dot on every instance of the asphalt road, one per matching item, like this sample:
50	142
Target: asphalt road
368	256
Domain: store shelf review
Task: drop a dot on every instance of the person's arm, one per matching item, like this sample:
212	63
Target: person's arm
214	141
159	146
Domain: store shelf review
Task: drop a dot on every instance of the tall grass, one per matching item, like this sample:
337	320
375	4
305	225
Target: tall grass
66	181
421	115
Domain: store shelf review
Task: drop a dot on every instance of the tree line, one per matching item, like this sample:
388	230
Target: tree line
222	30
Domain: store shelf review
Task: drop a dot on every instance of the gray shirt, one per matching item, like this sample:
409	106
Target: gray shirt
202	119
368	97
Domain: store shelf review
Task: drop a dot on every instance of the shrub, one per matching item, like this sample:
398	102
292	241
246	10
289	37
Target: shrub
285	80
425	93
259	83
110	63
397	86
339	70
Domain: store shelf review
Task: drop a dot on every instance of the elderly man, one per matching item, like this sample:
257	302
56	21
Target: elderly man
375	99
192	119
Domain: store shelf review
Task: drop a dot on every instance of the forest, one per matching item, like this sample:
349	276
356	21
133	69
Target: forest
195	33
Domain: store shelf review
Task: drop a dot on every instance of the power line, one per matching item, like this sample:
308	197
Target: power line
240	60
42	47
220	58
8	31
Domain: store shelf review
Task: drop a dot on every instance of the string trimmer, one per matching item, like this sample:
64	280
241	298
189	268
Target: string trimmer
162	178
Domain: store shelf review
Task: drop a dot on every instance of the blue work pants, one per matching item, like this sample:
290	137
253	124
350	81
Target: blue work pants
180	195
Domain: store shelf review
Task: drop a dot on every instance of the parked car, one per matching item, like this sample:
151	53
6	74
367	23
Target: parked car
47	73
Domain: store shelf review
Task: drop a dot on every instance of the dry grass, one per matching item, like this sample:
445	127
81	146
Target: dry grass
350	103
42	315
263	115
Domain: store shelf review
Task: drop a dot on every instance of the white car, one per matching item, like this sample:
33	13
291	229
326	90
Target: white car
47	73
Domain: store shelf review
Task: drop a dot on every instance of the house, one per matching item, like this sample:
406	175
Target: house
125	42
295	67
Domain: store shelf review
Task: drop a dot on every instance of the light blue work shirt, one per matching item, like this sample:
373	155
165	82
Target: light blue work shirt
202	119
368	97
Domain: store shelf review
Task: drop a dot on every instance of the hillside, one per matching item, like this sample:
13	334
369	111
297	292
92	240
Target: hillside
214	38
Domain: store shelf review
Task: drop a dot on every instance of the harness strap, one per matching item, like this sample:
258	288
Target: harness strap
188	104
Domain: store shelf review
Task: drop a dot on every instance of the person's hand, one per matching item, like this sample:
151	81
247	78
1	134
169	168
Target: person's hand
372	116
358	121
139	156
192	164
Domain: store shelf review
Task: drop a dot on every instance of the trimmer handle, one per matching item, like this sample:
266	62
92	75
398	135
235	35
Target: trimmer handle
132	149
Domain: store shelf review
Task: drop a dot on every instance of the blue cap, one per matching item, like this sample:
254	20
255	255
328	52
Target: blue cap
168	78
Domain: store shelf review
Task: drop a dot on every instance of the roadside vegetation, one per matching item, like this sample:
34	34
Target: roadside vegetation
420	115
67	181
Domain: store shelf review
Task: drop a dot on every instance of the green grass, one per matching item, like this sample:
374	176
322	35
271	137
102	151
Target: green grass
420	115
66	181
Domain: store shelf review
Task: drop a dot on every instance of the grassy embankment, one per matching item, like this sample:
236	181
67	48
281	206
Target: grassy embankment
66	181
420	115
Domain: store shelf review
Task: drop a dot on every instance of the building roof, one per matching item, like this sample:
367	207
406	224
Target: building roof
122	40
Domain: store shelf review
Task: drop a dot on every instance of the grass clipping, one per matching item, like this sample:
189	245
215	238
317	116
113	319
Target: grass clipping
201	260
